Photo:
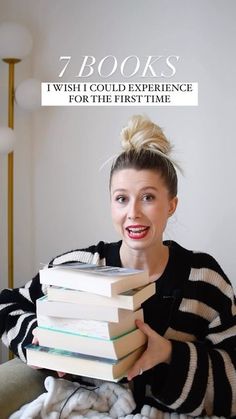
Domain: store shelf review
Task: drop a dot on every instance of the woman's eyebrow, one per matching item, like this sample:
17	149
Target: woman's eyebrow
119	190
141	190
148	187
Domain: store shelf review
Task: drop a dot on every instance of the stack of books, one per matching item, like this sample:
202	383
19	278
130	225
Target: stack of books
86	323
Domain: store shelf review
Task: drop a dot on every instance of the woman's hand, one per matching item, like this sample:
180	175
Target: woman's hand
34	342
158	350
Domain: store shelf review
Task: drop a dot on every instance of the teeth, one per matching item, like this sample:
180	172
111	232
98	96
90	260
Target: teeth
137	230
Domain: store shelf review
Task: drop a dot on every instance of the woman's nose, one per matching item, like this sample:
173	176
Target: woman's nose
134	211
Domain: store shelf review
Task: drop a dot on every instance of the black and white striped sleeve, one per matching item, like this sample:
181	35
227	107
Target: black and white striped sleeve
18	306
18	316
201	378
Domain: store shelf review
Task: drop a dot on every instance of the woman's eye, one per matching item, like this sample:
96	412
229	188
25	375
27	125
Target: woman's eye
121	199
148	197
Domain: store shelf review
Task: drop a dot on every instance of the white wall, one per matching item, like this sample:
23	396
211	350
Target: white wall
61	197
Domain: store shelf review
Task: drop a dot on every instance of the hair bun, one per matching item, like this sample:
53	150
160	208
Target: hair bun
141	133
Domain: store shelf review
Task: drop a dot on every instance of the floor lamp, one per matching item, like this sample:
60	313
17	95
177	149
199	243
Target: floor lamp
15	44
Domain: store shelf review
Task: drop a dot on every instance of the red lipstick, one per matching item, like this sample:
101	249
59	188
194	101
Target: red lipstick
137	231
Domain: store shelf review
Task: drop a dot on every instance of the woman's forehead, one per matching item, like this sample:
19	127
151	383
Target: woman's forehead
126	178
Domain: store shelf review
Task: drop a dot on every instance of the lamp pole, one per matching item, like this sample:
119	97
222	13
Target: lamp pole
15	44
10	210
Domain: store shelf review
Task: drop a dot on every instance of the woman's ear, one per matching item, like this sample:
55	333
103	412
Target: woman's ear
173	205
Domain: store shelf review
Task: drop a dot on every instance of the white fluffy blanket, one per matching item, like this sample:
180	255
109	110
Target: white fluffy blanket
67	400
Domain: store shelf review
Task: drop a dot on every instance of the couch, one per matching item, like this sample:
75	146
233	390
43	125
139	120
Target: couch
19	384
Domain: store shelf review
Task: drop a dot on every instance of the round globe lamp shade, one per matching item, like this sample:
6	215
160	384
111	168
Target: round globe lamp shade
7	140
28	94
15	41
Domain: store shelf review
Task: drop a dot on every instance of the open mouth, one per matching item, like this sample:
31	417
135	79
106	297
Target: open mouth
138	232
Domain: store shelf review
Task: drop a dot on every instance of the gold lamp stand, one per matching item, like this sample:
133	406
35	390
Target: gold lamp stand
10	199
10	210
15	44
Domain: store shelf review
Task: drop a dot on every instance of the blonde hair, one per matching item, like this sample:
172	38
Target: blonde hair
141	133
145	146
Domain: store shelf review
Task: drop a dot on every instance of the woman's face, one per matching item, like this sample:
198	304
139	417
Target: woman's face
140	207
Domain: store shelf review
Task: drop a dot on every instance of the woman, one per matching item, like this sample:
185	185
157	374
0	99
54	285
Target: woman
189	363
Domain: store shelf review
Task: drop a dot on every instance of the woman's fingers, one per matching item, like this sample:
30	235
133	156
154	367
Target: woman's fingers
35	341
144	328
159	349
61	374
137	368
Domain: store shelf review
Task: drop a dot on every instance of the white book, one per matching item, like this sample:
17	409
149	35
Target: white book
102	329
83	365
105	348
79	311
102	280
129	300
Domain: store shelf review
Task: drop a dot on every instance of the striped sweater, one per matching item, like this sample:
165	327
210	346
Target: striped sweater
194	307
